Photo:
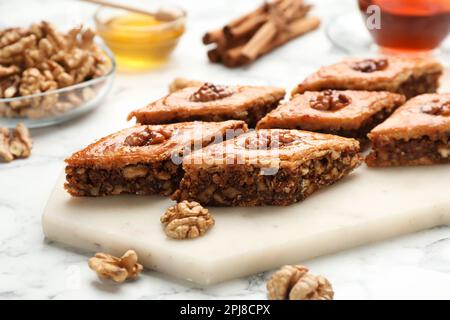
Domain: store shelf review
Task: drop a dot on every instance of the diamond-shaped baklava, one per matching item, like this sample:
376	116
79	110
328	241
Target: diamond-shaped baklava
144	159
266	167
211	103
407	76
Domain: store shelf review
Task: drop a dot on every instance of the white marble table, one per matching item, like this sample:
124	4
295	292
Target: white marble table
414	266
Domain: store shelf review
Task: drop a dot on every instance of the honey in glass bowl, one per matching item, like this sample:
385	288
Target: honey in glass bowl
140	42
409	25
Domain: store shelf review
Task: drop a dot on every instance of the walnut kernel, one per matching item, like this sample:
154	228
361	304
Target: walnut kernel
210	92
39	59
16	144
187	220
116	269
134	171
5	153
330	100
371	65
296	283
267	141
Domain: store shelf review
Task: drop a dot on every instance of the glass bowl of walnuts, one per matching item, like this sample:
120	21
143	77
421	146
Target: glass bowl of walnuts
48	76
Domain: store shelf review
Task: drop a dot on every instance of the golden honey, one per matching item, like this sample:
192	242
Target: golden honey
140	42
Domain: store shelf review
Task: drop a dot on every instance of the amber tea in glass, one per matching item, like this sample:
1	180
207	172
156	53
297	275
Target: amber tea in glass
408	25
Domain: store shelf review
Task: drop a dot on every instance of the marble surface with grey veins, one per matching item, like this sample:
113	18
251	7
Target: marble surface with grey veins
413	266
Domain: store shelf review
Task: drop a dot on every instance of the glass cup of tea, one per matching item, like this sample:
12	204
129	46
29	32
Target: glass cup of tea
407	26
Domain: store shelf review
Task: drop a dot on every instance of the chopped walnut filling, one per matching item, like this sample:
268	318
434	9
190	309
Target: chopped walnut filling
437	108
210	92
116	269
147	137
330	100
296	283
371	65
187	220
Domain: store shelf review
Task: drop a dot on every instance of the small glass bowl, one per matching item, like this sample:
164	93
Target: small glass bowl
60	105
141	42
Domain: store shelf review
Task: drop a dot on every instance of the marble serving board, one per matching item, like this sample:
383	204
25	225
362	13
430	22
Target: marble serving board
369	205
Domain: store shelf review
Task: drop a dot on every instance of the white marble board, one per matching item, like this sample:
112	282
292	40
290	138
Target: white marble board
369	205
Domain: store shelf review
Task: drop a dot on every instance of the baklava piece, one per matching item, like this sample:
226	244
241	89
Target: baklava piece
407	76
349	114
266	167
211	102
142	159
418	133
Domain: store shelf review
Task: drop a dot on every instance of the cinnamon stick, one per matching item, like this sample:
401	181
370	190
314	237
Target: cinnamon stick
295	29
246	28
212	36
260	40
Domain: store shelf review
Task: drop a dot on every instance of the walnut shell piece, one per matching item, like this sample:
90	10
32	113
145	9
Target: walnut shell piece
296	283
187	220
116	269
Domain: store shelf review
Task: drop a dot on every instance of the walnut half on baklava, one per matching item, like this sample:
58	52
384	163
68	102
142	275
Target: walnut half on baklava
143	159
418	133
407	76
347	113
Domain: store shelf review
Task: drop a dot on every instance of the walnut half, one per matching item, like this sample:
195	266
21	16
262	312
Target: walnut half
16	144
210	92
116	269
296	283
187	220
